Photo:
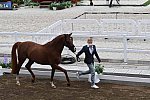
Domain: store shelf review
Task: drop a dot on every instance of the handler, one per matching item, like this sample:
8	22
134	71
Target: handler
110	5
89	51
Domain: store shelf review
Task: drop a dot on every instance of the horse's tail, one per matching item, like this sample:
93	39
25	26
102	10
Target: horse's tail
14	65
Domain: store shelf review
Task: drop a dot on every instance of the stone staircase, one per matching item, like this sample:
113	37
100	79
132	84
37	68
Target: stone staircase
45	4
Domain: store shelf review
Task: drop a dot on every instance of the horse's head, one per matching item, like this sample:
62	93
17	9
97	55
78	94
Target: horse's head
69	42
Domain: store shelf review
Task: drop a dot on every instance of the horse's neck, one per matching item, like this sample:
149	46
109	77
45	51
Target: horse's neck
56	44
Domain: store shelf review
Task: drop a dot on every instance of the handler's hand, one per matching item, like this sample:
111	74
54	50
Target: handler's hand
78	59
99	62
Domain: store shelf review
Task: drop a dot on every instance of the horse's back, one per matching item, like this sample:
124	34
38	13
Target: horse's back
33	51
26	47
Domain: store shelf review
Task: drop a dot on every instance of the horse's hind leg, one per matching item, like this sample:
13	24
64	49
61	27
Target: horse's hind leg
52	75
28	66
19	67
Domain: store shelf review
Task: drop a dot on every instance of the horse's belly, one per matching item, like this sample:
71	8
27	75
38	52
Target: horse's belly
42	63
46	60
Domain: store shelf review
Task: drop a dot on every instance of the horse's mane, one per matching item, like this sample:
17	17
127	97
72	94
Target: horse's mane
54	40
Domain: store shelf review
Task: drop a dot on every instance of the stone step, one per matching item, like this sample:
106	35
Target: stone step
45	4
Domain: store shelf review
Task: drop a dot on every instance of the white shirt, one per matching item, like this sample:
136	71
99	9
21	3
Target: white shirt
90	49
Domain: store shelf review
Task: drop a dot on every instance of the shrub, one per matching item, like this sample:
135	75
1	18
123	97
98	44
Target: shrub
147	3
33	4
68	4
99	68
18	1
8	65
53	4
60	5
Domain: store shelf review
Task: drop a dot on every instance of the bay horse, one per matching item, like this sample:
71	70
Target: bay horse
47	54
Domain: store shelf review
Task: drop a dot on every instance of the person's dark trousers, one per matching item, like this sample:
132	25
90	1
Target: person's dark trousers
107	1
110	5
118	1
91	3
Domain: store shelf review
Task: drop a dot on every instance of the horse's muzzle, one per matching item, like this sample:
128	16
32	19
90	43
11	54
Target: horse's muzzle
73	49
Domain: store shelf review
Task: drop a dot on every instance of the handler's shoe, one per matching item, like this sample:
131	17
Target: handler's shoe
94	87
77	74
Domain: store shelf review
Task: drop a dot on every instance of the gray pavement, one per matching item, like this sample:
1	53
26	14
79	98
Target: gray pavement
113	72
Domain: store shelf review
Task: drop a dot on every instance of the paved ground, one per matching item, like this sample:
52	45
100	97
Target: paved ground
122	72
27	19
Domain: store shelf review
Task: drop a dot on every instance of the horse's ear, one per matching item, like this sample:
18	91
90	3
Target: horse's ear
70	34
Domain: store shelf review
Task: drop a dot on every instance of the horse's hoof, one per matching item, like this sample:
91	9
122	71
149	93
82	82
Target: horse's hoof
32	81
54	87
18	83
68	84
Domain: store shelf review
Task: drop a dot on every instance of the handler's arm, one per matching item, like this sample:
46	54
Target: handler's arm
99	60
80	52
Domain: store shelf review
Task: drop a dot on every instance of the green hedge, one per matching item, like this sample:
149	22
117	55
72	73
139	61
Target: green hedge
18	1
8	65
99	68
33	4
146	3
60	5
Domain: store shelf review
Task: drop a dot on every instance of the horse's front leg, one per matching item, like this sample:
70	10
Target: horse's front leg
52	75
63	70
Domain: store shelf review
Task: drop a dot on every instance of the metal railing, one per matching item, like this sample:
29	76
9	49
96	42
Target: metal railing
114	15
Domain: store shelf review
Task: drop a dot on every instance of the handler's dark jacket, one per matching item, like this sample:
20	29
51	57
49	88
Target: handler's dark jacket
88	56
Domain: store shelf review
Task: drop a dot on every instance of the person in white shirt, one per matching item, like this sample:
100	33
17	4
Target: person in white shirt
90	51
